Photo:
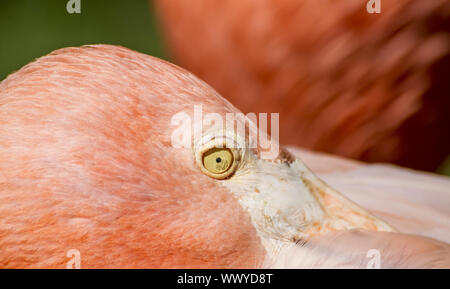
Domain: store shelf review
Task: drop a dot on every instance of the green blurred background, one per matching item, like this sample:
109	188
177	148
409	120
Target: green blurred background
30	29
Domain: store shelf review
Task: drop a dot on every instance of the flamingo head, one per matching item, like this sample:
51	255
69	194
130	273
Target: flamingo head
88	162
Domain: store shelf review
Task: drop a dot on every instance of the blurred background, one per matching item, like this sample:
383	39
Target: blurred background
30	29
373	87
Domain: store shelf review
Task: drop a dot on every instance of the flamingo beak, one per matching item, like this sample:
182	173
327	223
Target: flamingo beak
287	202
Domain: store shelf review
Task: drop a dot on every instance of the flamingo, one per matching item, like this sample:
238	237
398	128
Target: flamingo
88	165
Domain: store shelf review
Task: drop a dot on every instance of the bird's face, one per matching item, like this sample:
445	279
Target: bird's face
286	201
94	170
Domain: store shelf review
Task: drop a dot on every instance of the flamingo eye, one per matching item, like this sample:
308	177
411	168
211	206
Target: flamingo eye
219	157
218	160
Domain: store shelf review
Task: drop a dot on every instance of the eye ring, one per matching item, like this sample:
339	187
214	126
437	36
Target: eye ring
217	160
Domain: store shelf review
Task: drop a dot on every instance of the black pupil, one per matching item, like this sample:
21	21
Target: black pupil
218	160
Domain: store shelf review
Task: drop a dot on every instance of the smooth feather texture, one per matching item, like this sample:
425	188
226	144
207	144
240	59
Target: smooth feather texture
413	202
86	163
363	249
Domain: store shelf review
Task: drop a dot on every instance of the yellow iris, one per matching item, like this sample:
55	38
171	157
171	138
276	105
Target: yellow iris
218	160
